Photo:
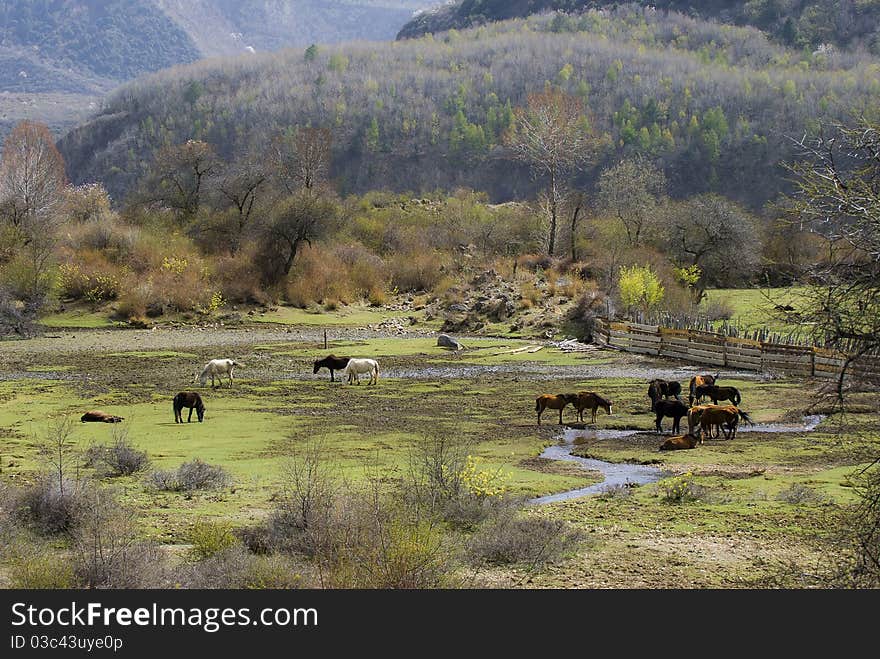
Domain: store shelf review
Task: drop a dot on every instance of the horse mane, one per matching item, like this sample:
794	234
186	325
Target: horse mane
601	399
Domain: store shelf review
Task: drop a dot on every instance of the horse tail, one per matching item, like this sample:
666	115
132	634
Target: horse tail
537	405
736	396
376	369
745	417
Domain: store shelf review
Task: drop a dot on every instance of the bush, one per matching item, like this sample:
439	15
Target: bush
533	540
234	567
39	568
51	505
720	309
209	538
414	272
680	489
193	475
615	492
120	458
800	494
582	316
107	552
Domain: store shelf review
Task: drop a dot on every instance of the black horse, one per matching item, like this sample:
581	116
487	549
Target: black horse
331	363
191	400
674	409
658	389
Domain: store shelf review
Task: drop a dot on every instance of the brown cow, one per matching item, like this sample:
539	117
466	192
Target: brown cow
554	402
99	416
680	442
592	401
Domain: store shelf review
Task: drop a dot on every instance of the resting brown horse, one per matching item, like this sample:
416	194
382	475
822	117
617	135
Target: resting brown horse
554	402
680	442
331	363
193	401
101	417
716	393
699	380
592	401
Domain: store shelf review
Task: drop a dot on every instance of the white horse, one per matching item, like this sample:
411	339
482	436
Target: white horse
357	366
216	368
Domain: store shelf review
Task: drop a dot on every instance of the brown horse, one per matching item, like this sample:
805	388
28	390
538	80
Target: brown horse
724	416
189	399
680	442
674	409
658	389
716	393
331	363
697	381
101	417
554	402
693	418
593	401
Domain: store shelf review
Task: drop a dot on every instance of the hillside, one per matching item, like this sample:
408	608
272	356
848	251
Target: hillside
60	53
799	23
710	104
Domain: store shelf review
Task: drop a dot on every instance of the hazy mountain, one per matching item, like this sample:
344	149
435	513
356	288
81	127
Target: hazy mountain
87	47
799	23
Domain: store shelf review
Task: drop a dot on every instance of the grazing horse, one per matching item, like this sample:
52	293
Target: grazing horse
591	400
189	399
355	367
554	402
698	380
724	416
680	442
674	409
216	368
716	393
693	417
99	416
658	389
331	363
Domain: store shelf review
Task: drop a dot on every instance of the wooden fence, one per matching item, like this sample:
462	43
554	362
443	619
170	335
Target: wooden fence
731	352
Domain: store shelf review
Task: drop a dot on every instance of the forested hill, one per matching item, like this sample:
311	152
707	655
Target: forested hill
86	46
799	23
712	105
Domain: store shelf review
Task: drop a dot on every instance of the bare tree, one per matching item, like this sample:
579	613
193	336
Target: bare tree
552	135
294	220
178	176
240	185
632	191
302	157
717	235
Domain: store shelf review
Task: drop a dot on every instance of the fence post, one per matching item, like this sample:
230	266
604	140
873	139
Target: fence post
325	339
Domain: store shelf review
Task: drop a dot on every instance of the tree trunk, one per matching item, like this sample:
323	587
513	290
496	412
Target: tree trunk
551	246
574	219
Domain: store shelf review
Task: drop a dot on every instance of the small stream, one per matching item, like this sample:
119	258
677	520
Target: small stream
626	474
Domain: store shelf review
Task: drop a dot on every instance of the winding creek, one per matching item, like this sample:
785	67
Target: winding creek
626	474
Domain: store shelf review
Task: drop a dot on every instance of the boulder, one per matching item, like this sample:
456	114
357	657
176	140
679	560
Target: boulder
446	341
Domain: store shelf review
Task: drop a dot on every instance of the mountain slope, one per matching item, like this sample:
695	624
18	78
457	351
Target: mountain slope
712	105
800	23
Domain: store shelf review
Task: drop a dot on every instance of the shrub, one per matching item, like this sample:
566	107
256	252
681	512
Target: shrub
533	540
615	492
209	538
193	475
582	316
51	505
120	458
39	568
680	489
234	567
107	552
800	494
318	277
720	309
415	271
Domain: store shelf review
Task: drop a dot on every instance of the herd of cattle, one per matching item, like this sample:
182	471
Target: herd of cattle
704	420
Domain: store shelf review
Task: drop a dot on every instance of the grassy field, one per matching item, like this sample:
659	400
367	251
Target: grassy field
754	308
484	396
